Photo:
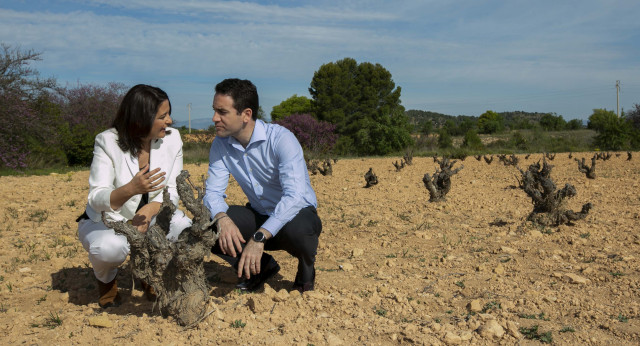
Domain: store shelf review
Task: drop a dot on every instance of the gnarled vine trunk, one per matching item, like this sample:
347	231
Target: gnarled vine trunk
548	203
174	270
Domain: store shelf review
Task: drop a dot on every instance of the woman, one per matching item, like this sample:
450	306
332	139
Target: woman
132	162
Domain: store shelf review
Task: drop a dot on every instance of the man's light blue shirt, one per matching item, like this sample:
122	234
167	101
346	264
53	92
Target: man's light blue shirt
271	172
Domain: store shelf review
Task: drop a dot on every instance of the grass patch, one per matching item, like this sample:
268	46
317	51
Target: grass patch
53	321
532	333
493	305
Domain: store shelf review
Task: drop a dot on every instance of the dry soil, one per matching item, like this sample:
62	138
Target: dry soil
392	268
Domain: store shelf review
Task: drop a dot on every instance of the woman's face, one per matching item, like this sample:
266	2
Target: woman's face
162	121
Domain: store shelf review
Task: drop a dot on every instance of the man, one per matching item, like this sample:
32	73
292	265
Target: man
267	162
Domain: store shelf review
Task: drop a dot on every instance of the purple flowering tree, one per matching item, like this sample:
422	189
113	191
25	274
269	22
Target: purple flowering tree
87	110
16	117
316	136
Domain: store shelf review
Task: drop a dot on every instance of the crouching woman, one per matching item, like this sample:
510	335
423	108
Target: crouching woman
132	162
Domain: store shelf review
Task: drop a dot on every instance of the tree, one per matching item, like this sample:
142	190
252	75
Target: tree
613	131
293	105
364	103
472	140
550	122
87	110
23	127
574	124
633	118
444	139
490	122
426	128
17	77
315	136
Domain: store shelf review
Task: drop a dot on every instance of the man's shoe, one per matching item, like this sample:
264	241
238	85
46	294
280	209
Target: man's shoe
307	286
256	281
304	287
108	294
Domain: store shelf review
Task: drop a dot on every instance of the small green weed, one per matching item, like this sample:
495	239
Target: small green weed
371	223
381	312
10	287
493	305
238	324
13	212
53	321
460	284
533	334
585	235
391	255
622	318
42	299
567	329
616	274
38	216
539	316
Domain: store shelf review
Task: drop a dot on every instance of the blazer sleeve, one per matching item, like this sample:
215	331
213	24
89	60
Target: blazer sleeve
102	176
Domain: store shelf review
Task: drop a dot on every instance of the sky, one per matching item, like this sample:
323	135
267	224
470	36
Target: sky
451	57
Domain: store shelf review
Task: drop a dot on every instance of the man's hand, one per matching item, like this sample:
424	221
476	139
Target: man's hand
143	217
230	238
250	260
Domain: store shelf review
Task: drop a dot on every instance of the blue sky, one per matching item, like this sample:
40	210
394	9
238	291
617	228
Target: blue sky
452	57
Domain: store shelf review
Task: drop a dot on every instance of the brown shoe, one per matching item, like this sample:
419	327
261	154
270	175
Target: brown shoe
149	292
108	294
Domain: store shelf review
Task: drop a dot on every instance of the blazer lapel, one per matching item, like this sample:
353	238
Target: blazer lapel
157	156
132	163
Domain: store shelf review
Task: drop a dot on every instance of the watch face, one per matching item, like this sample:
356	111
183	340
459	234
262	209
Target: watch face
258	236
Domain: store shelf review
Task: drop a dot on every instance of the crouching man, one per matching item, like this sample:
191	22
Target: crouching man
268	163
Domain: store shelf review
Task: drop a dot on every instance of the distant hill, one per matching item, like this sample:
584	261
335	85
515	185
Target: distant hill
418	117
197	124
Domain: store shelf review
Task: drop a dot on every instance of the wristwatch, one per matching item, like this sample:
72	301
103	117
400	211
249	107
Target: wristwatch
259	237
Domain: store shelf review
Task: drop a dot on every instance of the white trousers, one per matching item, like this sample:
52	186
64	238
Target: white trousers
107	250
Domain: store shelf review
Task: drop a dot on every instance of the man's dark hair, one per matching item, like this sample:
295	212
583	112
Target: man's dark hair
243	93
136	114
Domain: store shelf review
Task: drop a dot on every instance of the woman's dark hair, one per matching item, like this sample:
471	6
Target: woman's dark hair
136	114
243	93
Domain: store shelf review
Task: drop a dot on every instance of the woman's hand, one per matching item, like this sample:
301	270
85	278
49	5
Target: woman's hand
144	181
143	217
147	181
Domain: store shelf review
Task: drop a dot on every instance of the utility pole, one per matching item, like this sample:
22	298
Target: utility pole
618	98
189	108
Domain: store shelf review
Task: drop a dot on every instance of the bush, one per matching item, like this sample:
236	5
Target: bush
444	139
518	141
614	132
472	140
87	110
318	137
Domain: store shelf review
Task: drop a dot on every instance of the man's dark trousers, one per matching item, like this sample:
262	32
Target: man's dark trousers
299	237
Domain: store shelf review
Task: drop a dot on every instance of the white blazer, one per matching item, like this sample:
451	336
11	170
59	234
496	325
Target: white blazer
112	168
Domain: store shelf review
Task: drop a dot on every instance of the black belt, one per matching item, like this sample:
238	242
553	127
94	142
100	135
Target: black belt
84	216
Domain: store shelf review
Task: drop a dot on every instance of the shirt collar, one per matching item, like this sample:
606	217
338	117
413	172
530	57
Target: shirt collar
259	134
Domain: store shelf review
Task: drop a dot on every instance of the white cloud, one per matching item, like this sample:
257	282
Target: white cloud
460	51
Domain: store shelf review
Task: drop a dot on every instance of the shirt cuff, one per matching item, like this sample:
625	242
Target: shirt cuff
273	225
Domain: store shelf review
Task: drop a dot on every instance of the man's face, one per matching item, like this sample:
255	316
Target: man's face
227	120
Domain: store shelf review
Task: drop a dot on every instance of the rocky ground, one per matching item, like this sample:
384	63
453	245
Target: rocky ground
392	267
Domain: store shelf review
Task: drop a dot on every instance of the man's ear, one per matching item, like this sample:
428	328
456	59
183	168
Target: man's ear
247	115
